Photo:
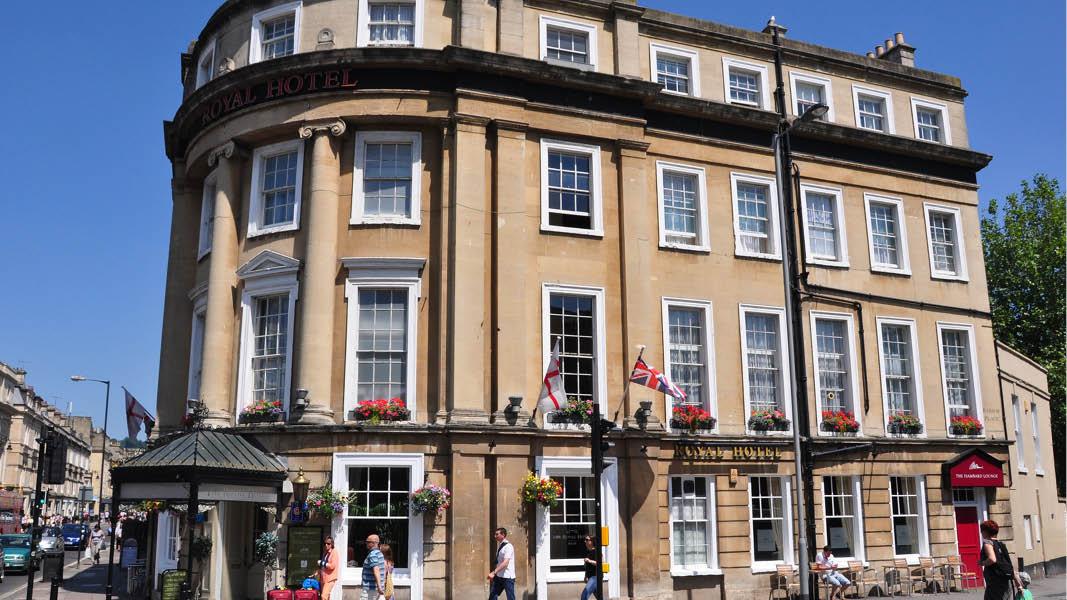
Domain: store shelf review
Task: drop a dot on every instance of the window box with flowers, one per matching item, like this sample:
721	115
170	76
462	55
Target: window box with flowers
575	415
262	411
543	491
691	419
904	424
966	426
839	422
762	421
376	412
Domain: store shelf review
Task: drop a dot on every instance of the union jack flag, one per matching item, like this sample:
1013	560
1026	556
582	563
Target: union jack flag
651	378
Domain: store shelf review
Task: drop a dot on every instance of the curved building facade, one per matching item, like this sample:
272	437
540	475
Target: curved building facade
415	199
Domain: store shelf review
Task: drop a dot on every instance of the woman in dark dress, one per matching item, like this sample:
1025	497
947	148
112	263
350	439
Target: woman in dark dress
1000	577
590	569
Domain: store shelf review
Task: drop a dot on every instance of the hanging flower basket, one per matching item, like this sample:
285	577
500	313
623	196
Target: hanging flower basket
431	499
904	423
965	426
375	412
327	502
263	411
692	419
200	549
841	421
266	549
578	411
768	420
544	491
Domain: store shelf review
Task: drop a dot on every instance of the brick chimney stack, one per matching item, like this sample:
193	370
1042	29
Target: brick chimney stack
898	51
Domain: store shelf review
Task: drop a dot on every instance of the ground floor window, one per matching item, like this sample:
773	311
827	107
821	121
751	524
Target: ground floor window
569	522
907	498
843	516
692	515
770	520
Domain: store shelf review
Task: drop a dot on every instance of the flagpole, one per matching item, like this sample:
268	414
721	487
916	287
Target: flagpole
626	386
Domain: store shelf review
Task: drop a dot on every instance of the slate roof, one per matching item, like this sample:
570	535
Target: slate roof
203	452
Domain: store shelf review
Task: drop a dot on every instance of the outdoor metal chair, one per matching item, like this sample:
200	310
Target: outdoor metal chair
897	574
864	579
784	580
957	571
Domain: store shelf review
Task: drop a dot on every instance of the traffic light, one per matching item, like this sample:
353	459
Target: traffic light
601	427
55	465
42	499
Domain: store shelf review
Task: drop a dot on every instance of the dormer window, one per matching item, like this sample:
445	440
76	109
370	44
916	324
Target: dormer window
568	42
874	109
677	70
931	121
745	83
275	33
396	23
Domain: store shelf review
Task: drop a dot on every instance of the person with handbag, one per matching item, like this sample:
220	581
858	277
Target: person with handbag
328	568
387	552
1001	580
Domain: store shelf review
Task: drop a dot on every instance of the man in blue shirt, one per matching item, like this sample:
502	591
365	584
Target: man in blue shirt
373	571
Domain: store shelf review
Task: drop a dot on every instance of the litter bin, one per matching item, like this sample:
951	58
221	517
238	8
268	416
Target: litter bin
52	566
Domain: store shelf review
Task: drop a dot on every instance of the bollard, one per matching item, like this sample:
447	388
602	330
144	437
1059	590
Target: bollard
53	593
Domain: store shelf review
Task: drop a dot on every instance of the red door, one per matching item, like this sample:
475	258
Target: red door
969	539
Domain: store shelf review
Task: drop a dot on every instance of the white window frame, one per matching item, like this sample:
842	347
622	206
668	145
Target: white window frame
1028	535
207	215
976	388
703	242
196	341
767	566
353	576
916	374
654	50
853	369
363	24
743	65
772	215
712	568
856	486
1036	521
711	389
255	200
1035	434
904	268
377	273
559	466
599	343
924	520
839	224
207	55
358	200
596	201
255	44
545	21
961	249
886	96
783	380
916	104
827	85
1020	450
257	284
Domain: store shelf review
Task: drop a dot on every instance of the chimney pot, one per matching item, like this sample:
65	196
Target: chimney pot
870	55
879	51
899	37
889	44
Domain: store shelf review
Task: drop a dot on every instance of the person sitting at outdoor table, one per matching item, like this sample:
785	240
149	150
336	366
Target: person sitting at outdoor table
829	574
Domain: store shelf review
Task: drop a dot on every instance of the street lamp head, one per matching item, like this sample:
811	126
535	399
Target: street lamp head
300	488
814	112
77	378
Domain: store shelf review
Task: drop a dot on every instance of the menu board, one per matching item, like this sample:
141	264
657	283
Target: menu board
305	547
170	588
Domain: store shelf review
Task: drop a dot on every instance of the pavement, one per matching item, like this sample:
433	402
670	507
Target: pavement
1047	588
80	582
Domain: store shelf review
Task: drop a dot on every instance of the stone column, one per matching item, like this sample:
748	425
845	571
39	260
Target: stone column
472	24
637	240
627	48
468	312
509	25
172	392
216	388
315	339
511	235
470	537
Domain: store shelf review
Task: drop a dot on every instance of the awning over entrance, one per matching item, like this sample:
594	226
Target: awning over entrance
973	468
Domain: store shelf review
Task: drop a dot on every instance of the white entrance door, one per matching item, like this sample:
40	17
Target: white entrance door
167	541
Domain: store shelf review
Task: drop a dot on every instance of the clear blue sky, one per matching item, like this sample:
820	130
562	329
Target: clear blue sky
86	191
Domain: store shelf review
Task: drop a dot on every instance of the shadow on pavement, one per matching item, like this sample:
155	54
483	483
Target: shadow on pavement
94	579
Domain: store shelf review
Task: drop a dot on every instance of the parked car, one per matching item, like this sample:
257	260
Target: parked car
17	555
50	541
75	535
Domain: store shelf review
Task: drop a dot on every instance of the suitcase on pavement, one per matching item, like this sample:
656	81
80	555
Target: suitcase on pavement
306	595
280	595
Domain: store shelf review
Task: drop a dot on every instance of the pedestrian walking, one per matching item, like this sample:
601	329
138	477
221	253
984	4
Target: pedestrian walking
1001	581
96	538
387	552
828	571
502	577
373	571
328	571
590	570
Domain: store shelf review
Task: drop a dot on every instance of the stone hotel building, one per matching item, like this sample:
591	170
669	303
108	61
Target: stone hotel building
412	199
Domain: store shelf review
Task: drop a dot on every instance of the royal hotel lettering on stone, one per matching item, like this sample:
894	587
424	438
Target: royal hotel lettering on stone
413	200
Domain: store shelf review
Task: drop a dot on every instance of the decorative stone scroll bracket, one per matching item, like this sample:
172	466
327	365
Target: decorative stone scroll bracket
335	127
230	149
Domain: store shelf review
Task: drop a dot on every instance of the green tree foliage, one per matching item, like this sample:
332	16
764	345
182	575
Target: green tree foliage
1023	240
128	442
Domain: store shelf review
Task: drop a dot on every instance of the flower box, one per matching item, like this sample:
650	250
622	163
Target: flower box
254	419
965	426
768	420
692	419
262	411
904	424
578	411
376	412
840	422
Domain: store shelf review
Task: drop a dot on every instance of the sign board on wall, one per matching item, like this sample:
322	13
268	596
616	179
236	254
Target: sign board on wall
710	452
975	470
302	559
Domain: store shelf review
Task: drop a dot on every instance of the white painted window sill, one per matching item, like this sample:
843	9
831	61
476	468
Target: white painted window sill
273	229
694	572
595	233
768	567
889	270
685	247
